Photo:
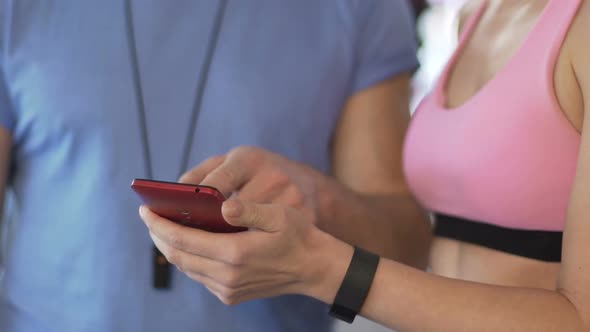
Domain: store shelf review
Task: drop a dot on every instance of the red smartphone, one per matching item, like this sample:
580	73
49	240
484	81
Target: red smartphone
187	204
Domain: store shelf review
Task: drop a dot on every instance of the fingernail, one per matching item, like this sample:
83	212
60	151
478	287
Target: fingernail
142	210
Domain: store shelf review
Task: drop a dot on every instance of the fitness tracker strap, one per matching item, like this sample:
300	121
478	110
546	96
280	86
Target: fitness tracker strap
355	286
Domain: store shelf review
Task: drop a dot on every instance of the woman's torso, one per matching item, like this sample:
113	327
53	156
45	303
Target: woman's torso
497	37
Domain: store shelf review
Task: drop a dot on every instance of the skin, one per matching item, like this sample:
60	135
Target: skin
365	201
285	252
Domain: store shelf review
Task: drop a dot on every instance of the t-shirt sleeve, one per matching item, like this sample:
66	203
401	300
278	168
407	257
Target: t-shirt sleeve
386	44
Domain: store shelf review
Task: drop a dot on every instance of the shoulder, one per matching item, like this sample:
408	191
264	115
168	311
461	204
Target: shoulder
579	28
577	39
577	47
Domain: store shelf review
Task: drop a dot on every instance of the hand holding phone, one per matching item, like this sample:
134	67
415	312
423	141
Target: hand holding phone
189	205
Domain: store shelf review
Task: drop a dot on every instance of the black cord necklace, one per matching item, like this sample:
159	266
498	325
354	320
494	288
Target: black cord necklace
162	276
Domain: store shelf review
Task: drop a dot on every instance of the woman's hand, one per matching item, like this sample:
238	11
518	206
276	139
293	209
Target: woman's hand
283	252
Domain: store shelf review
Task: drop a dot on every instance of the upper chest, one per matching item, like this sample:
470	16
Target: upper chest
496	47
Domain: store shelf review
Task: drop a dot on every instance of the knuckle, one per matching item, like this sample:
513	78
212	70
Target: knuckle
215	159
255	215
236	150
177	240
242	149
232	279
228	297
223	176
226	174
294	197
175	257
235	255
278	178
224	300
229	254
248	153
194	277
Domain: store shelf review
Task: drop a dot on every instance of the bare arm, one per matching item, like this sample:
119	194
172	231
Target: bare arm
411	300
370	204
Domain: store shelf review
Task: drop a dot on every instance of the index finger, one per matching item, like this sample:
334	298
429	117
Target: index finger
230	176
199	172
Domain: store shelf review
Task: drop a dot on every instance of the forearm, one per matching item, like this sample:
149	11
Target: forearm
411	300
407	299
389	224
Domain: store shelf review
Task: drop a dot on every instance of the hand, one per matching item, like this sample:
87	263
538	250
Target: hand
280	254
259	176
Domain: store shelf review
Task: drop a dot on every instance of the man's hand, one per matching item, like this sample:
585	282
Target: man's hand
259	176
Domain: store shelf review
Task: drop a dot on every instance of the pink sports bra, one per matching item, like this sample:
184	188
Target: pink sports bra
507	156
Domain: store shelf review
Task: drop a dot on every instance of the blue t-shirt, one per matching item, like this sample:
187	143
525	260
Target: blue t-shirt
78	258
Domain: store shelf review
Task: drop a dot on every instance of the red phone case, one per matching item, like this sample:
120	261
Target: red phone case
190	205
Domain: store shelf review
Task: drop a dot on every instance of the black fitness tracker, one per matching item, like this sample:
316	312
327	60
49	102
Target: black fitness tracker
355	286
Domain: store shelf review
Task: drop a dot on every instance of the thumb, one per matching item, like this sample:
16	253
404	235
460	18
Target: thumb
199	172
264	217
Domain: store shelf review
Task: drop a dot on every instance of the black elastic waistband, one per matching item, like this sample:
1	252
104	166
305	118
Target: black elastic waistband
541	245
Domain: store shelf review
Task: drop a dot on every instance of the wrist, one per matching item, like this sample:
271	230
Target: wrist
333	197
326	267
